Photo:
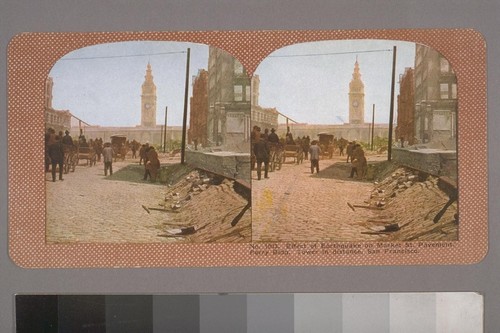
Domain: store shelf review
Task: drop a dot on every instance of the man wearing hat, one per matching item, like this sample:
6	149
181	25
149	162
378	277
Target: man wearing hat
107	154
273	137
314	153
152	165
67	139
261	150
56	154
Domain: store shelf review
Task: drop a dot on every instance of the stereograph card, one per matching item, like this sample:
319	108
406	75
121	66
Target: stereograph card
247	148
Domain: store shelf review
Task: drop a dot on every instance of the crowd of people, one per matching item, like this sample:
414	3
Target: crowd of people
261	143
57	146
261	146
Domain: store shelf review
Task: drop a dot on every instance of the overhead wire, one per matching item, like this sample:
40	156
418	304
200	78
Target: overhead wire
124	56
326	54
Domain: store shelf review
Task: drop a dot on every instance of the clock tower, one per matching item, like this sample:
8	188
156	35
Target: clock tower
356	97
148	100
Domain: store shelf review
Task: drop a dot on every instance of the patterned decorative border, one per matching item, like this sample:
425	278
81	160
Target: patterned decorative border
32	55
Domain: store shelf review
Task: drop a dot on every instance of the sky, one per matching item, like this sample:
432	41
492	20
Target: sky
309	82
102	84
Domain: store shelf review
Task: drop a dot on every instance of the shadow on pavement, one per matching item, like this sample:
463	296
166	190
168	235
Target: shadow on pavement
342	170
132	173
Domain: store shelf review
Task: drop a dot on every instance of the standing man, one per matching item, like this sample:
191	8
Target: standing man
152	164
341	146
254	138
50	138
56	155
261	150
273	137
67	139
359	163
289	137
266	134
142	153
349	150
107	154
314	152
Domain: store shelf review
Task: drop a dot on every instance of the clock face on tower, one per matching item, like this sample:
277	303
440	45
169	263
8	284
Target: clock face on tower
147	105
355	103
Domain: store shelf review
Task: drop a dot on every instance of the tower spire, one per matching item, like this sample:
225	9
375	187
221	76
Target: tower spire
356	96
148	99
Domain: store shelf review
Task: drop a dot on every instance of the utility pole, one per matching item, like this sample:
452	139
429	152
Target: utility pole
161	138
165	130
184	119
391	113
373	123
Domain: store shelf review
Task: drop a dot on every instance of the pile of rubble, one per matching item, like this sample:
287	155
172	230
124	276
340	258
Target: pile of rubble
411	205
203	207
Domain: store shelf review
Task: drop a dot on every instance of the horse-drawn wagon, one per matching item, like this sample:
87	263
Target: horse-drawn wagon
294	151
70	158
87	153
326	144
119	145
275	156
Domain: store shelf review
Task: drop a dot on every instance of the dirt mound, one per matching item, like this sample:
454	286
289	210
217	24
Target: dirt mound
205	208
407	203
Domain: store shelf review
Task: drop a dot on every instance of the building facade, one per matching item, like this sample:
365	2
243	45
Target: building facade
152	135
357	132
59	120
435	99
262	117
229	97
405	128
356	97
198	116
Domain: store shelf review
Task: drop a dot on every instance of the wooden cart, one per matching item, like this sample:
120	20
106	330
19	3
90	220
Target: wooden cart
87	153
295	152
119	145
326	144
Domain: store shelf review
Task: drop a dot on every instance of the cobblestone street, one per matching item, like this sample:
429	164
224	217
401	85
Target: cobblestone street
295	205
292	205
89	207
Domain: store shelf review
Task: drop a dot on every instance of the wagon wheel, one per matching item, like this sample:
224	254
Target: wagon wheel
278	160
65	164
300	157
272	163
74	161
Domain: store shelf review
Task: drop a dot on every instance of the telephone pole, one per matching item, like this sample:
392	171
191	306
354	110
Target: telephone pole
391	113
165	130
184	119
373	123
